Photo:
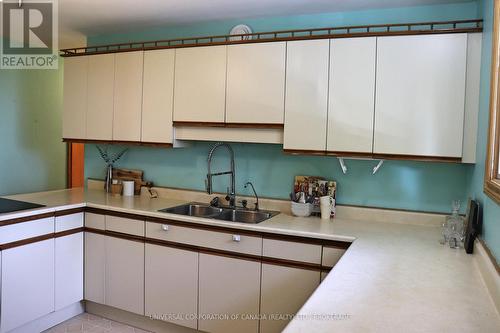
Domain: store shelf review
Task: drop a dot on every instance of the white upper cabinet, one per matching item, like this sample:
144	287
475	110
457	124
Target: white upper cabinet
351	94
101	78
306	101
200	83
420	95
157	96
128	96
256	83
75	97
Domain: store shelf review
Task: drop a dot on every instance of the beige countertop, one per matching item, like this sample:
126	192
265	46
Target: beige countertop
394	277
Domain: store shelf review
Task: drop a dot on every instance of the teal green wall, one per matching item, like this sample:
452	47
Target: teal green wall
404	185
491	210
32	156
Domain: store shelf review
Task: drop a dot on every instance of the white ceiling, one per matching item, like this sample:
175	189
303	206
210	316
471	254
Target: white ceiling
109	16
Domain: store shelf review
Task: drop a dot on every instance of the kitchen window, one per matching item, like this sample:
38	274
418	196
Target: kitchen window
492	175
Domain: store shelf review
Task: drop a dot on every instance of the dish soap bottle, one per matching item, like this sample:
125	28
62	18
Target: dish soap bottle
453	227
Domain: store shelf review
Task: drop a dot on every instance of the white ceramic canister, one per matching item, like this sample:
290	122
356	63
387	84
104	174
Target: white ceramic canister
128	188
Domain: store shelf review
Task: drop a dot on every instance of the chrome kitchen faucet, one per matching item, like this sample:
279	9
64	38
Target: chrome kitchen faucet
231	194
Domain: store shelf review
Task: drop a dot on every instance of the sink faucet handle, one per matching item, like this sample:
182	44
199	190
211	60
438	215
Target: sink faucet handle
243	203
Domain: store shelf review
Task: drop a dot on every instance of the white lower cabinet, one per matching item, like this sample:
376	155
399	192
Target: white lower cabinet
124	278
229	291
283	292
27	284
68	270
95	266
171	285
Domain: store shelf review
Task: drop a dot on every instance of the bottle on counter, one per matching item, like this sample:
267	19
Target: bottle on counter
453	227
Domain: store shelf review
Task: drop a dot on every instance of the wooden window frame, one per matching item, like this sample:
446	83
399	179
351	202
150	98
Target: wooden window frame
492	177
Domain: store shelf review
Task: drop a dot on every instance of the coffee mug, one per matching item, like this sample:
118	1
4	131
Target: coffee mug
326	206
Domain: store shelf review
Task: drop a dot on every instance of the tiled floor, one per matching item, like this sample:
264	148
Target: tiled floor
88	323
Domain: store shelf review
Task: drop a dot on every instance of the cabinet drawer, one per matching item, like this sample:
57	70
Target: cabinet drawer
310	253
25	230
95	221
124	225
68	222
331	255
210	239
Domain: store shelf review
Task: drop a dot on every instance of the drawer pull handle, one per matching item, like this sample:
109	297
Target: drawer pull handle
164	227
236	238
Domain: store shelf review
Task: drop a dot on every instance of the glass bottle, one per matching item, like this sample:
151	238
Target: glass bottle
453	227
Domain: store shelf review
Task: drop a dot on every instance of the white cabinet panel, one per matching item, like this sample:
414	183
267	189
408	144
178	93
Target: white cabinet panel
284	290
127	105
95	221
125	225
95	267
351	94
69	270
304	252
101	77
200	83
420	95
75	97
27	284
68	222
171	284
229	286
256	83
306	101
124	287
157	96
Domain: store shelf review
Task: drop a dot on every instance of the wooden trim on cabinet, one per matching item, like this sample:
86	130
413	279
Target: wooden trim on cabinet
348	154
26	219
26	241
255	125
115	142
68	232
69	211
446	159
198	124
491	176
227	125
304	152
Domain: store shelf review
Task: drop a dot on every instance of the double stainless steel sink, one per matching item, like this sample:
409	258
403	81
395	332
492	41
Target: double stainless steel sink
221	213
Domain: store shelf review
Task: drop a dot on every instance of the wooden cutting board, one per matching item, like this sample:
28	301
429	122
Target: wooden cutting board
134	175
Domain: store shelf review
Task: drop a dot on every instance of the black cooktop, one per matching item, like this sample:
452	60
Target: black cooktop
8	205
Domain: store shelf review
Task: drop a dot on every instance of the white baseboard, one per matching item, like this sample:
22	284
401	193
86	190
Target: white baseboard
51	320
488	269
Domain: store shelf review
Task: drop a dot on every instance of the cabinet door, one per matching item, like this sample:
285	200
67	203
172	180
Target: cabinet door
69	270
101	77
157	96
284	290
75	97
125	275
95	265
351	95
228	287
127	106
171	285
200	83
27	284
420	95
306	101
256	83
